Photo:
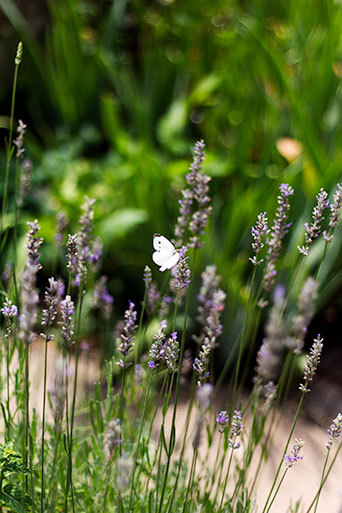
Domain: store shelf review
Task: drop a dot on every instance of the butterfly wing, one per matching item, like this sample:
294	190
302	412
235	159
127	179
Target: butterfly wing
166	256
161	243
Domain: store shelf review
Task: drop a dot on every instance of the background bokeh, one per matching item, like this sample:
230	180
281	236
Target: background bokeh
115	94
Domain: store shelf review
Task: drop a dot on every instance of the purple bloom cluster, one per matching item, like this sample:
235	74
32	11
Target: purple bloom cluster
235	430
312	362
181	272
313	230
9	310
19	141
102	300
291	459
25	181
127	335
222	420
270	355
210	282
33	244
278	231
334	431
164	350
51	302
62	223
212	329
67	314
112	437
147	276
29	294
335	213
301	321
259	231
191	219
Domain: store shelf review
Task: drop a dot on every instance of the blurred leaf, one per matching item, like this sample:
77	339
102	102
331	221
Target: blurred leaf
121	223
171	126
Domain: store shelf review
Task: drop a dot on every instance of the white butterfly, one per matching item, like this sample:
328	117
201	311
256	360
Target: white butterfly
166	255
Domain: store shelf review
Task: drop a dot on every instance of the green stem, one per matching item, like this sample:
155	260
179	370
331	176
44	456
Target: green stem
138	441
227	475
9	148
325	478
191	478
43	427
277	490
284	452
322	480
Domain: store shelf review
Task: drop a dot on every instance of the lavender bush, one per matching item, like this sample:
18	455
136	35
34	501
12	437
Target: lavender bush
121	447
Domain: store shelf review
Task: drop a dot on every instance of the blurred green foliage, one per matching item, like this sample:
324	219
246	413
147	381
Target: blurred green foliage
117	92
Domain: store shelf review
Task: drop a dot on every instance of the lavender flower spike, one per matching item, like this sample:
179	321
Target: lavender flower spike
312	361
67	312
192	219
335	213
19	141
51	303
9	310
259	231
334	431
181	272
127	335
313	230
290	460
278	231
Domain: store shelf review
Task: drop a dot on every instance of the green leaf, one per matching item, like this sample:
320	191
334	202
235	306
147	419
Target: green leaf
122	222
11	503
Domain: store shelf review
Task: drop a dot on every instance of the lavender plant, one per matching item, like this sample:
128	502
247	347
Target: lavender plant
121	446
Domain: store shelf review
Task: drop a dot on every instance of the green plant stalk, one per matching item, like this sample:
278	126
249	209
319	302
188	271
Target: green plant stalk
325	478
165	409
277	490
15	231
137	348
284	452
227	475
177	384
69	470
138	441
242	340
322	480
8	423
9	147
26	410
164	384
191	478
42	492
73	404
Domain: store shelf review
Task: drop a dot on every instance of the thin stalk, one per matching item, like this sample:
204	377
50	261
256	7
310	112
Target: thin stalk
9	147
284	452
172	431
325	478
191	478
43	427
227	475
322	480
138	441
277	490
72	418
26	410
8	423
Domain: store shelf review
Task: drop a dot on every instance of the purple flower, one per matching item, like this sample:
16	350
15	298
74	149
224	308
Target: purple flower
334	431
278	231
194	210
152	364
102	300
223	420
9	310
19	141
127	335
313	230
259	232
51	302
291	459
67	314
181	272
